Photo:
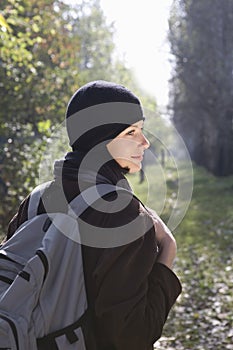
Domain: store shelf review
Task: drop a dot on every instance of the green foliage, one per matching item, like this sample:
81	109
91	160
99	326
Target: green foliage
96	47
34	61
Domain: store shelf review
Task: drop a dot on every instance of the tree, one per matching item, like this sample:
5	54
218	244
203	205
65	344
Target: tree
201	40
41	54
95	55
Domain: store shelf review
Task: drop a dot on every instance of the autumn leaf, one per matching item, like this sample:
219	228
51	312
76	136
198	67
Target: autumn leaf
4	23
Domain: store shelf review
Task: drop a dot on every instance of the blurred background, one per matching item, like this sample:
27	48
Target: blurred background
177	56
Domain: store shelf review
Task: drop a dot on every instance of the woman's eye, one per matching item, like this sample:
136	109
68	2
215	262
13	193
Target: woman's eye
130	132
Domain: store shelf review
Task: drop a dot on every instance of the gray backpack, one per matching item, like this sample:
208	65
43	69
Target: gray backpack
43	303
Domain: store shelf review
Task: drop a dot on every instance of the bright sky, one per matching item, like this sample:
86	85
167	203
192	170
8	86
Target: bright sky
141	29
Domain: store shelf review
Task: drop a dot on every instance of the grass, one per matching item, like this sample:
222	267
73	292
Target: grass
202	318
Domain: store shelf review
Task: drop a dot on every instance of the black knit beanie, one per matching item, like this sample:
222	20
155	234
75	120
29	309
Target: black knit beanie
98	112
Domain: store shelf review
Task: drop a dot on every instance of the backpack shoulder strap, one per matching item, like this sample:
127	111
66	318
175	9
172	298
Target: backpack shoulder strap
79	204
34	199
86	198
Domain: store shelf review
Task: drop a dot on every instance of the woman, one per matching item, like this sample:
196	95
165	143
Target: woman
128	252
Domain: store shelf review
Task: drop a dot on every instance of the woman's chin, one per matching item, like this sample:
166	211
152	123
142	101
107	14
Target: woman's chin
135	168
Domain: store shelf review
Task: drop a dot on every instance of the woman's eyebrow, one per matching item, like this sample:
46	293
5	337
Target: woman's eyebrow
137	126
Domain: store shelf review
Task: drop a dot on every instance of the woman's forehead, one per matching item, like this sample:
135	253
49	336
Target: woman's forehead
138	124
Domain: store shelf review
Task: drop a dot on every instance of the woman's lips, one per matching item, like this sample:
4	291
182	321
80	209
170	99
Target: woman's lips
140	158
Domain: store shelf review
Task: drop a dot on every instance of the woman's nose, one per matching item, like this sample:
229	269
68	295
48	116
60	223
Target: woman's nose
145	142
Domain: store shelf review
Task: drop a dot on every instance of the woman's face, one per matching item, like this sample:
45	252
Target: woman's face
129	146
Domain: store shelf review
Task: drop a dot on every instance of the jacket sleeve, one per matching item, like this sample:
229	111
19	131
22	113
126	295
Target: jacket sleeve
134	294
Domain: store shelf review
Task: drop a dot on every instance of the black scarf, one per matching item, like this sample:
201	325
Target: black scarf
76	167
